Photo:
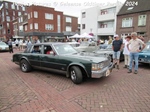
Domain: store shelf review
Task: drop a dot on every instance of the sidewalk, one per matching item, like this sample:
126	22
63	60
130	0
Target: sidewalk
40	91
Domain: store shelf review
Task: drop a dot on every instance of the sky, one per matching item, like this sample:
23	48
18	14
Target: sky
69	7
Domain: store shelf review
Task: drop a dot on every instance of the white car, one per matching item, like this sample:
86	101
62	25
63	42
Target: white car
4	46
87	47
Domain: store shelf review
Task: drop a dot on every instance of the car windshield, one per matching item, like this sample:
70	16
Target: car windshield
65	49
84	44
2	43
147	48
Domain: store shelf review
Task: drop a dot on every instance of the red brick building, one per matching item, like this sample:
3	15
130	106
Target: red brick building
70	25
8	12
43	22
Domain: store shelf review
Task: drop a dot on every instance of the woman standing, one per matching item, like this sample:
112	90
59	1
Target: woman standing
126	52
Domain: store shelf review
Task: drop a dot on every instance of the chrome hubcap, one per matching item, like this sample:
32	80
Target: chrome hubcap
24	67
73	75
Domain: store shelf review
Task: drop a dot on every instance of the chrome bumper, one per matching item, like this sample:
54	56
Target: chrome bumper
104	72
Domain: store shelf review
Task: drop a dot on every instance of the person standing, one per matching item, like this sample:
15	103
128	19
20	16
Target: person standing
136	46
28	44
110	40
10	46
126	52
117	46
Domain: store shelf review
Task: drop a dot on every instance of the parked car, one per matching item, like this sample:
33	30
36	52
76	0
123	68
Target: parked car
63	58
144	56
108	51
4	46
87	46
74	44
103	46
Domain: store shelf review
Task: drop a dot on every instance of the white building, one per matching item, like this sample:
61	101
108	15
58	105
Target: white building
101	21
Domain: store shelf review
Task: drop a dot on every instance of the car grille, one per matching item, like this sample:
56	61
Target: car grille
106	63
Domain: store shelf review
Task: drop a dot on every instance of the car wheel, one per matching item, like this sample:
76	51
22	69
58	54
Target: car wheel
24	65
76	74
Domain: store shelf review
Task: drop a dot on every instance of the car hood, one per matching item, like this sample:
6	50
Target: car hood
145	53
3	46
93	57
104	51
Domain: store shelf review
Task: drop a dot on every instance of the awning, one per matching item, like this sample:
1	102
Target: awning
21	37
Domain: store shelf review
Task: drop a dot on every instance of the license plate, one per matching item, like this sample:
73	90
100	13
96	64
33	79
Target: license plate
107	73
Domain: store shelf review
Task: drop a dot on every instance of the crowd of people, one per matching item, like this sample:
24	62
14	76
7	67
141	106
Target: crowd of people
21	44
131	47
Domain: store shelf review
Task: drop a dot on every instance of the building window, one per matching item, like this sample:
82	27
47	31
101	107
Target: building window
23	8
17	7
142	20
7	18
130	8
103	25
35	14
18	20
20	28
12	6
13	18
31	15
83	14
111	10
108	11
4	31
109	24
35	25
21	19
15	26
103	12
26	27
83	26
6	5
58	24
31	27
48	16
68	19
28	16
68	28
7	12
127	22
49	27
7	25
19	13
13	13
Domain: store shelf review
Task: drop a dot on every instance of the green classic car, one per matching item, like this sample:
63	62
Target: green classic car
63	58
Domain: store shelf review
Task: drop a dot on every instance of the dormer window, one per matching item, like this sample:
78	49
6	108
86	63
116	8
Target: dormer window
130	8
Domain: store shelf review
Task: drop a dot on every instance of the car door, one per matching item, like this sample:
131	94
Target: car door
49	61
34	57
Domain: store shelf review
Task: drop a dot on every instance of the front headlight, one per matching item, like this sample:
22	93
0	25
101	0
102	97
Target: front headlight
96	67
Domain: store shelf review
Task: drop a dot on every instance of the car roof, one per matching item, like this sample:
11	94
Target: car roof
49	43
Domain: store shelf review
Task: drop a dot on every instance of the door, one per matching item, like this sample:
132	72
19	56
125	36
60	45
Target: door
34	55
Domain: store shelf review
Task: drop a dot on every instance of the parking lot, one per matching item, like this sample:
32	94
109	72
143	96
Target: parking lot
40	91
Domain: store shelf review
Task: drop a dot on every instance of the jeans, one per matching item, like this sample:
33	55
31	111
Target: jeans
134	57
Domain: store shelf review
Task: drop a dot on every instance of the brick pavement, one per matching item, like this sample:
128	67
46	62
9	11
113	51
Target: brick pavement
40	91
